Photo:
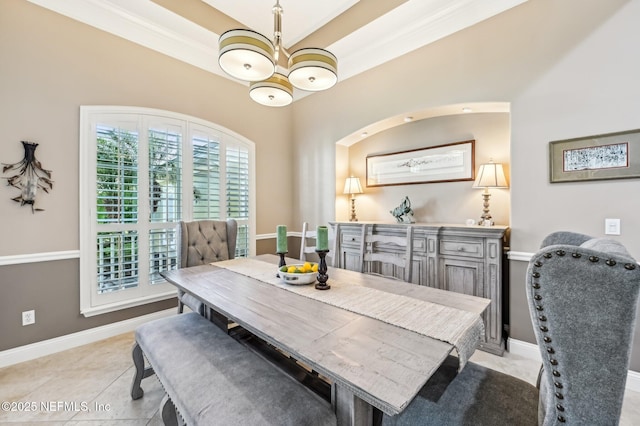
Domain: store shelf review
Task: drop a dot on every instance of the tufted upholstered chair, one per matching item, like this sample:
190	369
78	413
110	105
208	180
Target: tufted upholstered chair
202	242
583	294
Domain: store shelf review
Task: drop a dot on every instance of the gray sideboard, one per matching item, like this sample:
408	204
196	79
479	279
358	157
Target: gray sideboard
464	259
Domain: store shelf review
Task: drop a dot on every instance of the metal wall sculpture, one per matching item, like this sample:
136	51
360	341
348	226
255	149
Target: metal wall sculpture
403	213
29	177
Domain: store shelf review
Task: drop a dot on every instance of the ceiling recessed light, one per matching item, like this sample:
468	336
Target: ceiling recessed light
364	134
466	109
408	119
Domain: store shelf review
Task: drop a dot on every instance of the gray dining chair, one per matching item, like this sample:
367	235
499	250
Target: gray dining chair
582	294
202	242
381	254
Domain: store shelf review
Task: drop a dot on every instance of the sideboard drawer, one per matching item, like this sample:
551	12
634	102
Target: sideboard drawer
349	239
462	248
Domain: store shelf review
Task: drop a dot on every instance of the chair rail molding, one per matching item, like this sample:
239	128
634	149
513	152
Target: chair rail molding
17	259
521	256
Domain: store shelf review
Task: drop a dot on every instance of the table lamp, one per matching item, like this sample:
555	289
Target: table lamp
352	186
490	175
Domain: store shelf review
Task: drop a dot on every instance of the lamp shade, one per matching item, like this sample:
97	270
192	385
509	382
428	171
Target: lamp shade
246	55
352	186
274	91
313	69
490	175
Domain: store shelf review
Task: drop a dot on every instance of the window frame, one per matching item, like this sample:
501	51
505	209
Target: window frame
92	303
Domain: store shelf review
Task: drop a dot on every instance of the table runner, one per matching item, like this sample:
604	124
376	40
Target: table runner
462	329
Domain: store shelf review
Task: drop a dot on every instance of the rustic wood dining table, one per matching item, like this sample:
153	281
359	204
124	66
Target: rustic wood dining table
369	361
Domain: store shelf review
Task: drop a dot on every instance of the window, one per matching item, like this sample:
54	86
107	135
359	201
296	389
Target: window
143	171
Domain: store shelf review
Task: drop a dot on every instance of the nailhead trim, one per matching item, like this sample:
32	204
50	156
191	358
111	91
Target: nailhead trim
542	318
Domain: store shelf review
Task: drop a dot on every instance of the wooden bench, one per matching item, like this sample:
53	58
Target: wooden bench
211	378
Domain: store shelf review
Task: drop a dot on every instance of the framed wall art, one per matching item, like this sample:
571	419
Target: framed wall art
608	156
443	163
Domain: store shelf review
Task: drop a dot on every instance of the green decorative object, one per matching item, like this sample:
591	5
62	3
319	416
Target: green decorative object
281	239
322	242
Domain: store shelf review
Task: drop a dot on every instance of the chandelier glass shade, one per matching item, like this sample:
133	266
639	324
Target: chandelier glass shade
313	69
274	91
246	55
249	56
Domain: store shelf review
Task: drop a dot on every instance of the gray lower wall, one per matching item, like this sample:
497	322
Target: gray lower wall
52	290
520	327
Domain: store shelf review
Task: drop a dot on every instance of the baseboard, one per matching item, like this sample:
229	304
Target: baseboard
524	349
531	351
58	344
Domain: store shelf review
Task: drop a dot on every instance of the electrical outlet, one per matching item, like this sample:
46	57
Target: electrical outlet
28	317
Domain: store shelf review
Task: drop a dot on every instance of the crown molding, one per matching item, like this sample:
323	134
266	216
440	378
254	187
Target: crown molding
147	24
415	23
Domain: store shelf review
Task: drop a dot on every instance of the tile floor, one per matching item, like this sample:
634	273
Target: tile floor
90	385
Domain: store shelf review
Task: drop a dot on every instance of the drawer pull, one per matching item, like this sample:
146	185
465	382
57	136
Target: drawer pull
460	248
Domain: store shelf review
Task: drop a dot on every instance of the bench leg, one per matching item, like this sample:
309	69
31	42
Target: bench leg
168	411
141	372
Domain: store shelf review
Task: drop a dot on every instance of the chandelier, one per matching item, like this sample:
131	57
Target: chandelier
249	56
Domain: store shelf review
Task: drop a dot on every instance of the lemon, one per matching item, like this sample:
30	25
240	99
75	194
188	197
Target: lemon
314	268
291	269
306	267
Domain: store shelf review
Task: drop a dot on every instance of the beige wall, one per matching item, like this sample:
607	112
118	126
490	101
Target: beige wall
564	77
447	202
51	65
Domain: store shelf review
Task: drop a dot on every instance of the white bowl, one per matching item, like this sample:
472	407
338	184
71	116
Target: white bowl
298	278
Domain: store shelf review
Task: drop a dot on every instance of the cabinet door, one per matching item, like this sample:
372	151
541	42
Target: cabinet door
350	251
461	276
350	259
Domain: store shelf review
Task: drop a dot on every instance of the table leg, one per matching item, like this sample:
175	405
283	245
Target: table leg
350	409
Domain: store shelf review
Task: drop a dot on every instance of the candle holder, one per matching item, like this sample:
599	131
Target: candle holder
282	261
322	271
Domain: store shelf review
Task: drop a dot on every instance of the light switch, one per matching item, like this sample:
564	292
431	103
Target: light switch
612	226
